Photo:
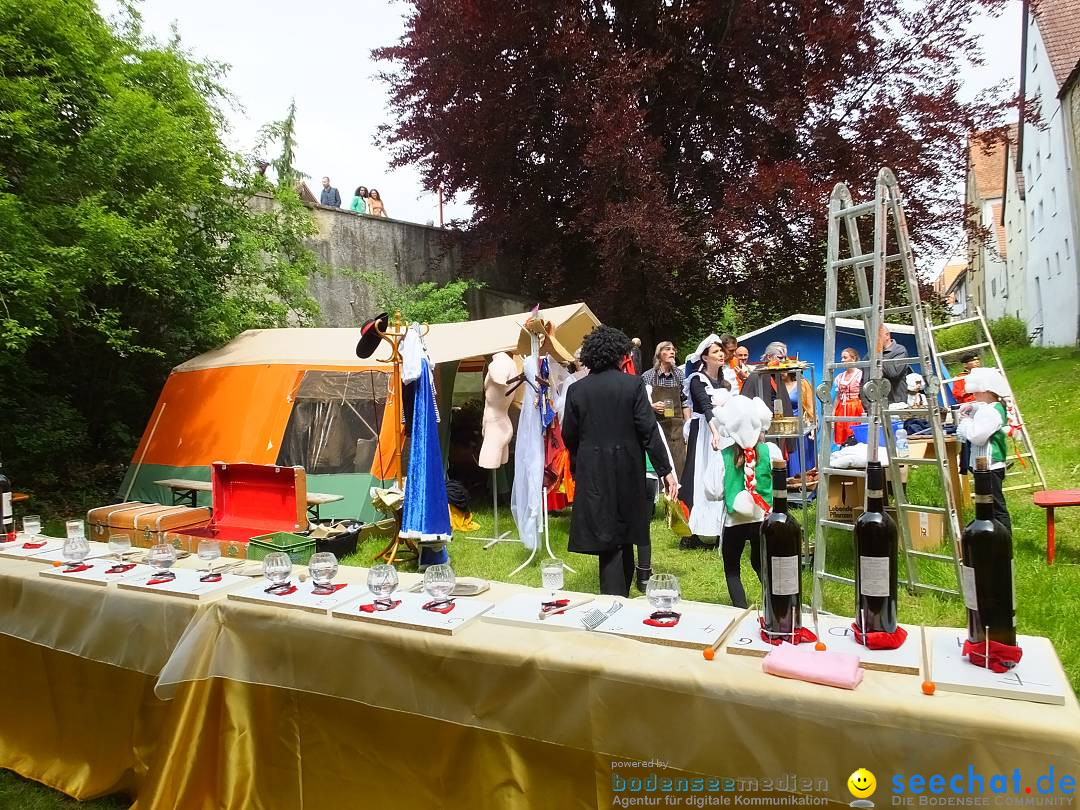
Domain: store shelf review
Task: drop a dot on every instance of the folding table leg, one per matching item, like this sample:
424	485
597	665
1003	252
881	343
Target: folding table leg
1049	535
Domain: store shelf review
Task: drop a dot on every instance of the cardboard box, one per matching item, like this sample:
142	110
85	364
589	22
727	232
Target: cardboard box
927	530
847	497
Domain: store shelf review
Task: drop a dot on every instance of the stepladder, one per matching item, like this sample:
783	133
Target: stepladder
884	283
1023	471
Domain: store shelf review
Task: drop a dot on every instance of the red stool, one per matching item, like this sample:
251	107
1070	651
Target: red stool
1048	500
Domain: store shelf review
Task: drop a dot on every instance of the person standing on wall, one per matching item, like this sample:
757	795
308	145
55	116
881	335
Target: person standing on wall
329	195
375	205
359	200
608	427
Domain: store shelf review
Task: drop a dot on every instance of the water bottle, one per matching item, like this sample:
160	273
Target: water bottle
902	448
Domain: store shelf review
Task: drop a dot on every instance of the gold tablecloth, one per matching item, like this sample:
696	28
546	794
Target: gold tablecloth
278	708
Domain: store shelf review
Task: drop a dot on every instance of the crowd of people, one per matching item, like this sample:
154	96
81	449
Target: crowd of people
365	201
721	473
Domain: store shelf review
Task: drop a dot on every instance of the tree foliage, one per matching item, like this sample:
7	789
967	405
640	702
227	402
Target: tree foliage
127	240
649	155
426	302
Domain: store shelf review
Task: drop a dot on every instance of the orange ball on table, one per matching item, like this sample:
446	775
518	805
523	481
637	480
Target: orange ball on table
928	687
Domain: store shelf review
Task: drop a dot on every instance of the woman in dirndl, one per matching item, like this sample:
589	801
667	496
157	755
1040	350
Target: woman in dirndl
848	386
705	390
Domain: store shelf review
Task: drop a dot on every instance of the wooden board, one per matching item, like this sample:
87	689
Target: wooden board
410	616
57	555
696	629
96	575
838	637
1038	677
523	610
303	599
15	551
186	584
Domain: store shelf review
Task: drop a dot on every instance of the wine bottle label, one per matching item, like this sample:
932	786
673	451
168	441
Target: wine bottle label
984	499
874	576
784	576
779	493
967	579
875	493
8	515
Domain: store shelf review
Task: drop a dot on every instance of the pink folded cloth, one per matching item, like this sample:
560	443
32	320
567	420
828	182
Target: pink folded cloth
828	668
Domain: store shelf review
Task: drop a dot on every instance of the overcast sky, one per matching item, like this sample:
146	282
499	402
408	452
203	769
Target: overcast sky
318	52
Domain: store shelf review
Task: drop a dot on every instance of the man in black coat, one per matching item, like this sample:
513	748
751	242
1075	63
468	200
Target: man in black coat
608	426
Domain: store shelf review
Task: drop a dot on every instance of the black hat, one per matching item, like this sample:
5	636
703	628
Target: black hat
369	335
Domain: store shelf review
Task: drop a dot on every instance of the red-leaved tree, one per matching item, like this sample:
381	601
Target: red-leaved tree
654	156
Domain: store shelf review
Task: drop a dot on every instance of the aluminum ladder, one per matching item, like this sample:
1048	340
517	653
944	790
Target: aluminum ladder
984	340
889	232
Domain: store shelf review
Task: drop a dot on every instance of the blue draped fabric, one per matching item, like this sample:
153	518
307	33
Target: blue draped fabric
426	511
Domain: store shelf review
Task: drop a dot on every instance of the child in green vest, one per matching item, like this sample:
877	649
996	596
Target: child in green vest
741	476
985	423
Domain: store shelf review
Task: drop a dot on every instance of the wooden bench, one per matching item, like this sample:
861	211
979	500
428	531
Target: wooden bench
185	491
1048	500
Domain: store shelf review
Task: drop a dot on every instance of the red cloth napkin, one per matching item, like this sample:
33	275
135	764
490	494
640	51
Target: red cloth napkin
281	591
664	621
120	568
1002	658
74	569
436	607
554	608
326	591
803	635
373	608
34	545
159	580
881	641
212	576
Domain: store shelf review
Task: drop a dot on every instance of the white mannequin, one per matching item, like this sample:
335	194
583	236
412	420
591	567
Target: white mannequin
498	430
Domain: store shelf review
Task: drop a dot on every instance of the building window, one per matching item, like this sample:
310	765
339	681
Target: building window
1057	262
993	288
1053	200
1032	217
1042	214
1067	254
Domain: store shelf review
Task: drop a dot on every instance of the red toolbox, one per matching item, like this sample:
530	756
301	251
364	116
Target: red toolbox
248	500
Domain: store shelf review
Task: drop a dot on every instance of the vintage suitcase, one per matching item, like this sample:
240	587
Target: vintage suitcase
151	527
249	500
119	518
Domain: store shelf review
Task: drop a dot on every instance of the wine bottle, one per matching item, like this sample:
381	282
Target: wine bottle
875	559
781	548
986	546
7	515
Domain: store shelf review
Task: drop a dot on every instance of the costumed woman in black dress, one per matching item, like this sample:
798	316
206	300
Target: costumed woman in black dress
705	389
608	426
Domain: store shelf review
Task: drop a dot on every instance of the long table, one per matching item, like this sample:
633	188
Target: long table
229	704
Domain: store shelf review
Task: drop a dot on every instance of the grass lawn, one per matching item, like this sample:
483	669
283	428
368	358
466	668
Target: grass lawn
1044	381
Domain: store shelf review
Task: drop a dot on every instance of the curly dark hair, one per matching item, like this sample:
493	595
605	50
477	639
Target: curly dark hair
604	348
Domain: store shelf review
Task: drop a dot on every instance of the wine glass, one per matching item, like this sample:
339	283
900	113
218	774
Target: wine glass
162	556
551	575
439	581
31	526
119	545
323	567
277	565
663	592
76	548
382	581
208	551
75	528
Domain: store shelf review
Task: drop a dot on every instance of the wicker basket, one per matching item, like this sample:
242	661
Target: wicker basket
784	426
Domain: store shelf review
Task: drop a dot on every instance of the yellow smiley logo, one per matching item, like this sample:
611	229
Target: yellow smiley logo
862	784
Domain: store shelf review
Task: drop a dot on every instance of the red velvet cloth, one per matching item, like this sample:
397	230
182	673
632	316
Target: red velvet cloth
328	589
663	621
804	635
74	569
280	591
122	568
881	641
373	608
436	607
1002	658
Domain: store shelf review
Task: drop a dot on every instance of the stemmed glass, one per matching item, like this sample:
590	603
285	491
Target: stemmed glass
76	548
439	581
162	556
208	551
323	567
551	575
31	527
663	594
119	545
277	565
382	581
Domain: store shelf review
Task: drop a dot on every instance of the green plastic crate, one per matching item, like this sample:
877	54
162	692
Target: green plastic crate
298	547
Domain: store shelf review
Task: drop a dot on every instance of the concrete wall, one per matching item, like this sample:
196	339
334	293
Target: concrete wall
1051	295
406	252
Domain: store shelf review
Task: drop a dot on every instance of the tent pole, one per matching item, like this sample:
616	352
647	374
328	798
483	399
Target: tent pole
146	449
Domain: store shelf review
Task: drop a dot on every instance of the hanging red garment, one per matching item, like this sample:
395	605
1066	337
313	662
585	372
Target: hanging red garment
557	477
627	365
